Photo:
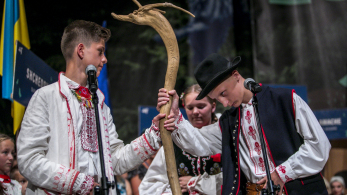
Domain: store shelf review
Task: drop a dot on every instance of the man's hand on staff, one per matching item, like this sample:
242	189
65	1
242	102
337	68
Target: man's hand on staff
163	98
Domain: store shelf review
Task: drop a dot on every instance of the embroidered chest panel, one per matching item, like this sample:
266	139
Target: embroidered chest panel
188	164
250	132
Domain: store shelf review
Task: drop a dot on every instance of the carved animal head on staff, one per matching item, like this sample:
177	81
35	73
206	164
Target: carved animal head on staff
148	14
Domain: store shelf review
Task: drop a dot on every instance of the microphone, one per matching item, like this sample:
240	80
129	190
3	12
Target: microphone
92	80
251	85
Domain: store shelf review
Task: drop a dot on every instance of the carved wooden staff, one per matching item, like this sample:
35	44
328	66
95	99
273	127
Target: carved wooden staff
149	15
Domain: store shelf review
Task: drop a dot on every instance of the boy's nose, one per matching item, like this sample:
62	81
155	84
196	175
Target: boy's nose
104	59
225	103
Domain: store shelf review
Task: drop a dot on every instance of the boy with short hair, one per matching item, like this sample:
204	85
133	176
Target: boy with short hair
57	144
297	147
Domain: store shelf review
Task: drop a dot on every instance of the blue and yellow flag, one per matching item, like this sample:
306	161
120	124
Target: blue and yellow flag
14	27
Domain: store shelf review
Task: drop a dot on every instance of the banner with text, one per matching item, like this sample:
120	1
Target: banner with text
31	73
333	122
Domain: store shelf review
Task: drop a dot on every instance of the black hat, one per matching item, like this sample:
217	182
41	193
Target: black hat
212	71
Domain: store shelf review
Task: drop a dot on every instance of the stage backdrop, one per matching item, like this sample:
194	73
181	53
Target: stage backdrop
302	42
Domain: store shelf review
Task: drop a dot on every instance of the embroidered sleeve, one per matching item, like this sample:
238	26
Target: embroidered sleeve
192	183
313	154
285	172
148	143
179	119
153	133
33	145
83	184
124	158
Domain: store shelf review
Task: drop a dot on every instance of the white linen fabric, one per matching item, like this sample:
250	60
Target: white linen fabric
251	153
308	160
49	151
156	181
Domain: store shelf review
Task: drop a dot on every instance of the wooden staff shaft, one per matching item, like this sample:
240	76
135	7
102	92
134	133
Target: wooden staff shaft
170	81
169	151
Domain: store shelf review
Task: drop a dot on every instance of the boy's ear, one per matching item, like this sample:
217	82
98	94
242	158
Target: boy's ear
80	50
236	75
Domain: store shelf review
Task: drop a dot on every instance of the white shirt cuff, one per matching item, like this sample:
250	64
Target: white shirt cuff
285	172
83	184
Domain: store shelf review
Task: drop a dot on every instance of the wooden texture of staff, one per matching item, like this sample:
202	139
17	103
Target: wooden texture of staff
149	15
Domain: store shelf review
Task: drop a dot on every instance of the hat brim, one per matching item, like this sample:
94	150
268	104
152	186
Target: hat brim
218	79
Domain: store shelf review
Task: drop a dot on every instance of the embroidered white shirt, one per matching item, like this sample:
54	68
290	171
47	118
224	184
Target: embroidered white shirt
308	160
88	162
251	155
47	152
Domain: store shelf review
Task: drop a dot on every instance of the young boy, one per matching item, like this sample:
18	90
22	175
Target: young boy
297	147
57	144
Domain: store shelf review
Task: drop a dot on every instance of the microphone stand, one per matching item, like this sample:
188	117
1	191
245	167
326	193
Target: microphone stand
271	188
105	184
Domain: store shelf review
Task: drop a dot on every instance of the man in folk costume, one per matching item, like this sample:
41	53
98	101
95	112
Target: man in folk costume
297	147
57	145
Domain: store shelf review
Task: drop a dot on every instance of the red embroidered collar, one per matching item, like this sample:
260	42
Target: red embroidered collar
83	95
6	178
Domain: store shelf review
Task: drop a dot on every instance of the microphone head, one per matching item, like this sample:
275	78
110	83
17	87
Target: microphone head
247	81
90	67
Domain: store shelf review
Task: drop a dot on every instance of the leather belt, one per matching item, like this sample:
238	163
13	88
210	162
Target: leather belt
254	189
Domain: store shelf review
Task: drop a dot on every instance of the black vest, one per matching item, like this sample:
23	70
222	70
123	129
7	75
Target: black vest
276	115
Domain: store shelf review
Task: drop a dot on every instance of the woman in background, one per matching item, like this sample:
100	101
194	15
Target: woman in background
197	175
337	185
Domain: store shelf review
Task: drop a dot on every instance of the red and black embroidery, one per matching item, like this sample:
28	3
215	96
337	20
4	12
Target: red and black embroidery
88	133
